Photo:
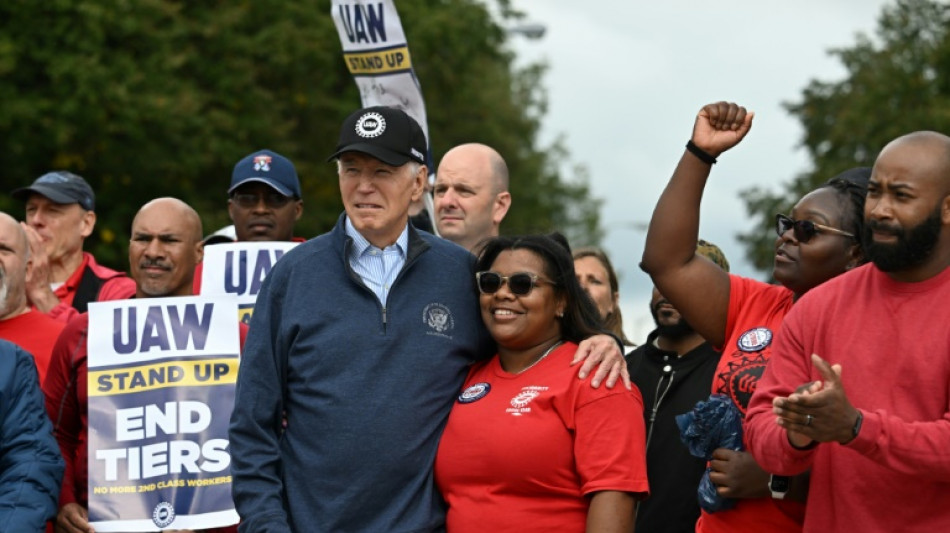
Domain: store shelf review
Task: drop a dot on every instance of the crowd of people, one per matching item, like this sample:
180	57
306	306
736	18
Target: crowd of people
395	379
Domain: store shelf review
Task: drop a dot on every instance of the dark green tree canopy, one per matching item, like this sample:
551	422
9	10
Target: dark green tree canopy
157	97
896	84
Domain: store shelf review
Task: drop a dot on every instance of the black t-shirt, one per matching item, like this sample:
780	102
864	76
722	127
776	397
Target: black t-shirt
673	473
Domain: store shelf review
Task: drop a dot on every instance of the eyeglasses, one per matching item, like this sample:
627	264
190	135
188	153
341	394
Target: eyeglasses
804	229
520	284
273	199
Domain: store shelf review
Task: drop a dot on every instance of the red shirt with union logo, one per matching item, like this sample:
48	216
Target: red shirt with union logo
756	311
520	452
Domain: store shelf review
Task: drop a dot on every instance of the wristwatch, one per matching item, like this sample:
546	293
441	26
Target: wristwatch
779	486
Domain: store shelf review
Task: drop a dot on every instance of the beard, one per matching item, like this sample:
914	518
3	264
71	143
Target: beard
675	331
913	247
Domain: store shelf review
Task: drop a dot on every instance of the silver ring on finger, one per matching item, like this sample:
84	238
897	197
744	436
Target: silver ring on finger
808	419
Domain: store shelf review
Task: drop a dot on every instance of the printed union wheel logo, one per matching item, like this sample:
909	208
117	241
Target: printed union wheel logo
370	125
524	398
163	515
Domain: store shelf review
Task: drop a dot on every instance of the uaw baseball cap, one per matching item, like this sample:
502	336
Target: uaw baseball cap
267	167
61	187
386	133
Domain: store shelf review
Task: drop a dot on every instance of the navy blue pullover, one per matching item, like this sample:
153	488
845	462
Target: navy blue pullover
366	390
31	467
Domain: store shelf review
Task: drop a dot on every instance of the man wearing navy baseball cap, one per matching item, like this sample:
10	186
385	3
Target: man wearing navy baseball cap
60	214
264	197
360	341
264	203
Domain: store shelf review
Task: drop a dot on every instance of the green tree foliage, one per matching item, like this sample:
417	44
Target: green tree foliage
896	84
147	98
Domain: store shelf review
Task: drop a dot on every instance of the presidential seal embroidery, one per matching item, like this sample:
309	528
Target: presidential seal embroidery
438	318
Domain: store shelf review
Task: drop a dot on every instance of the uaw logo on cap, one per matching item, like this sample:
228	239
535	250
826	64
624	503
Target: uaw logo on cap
163	515
474	393
262	163
370	125
755	339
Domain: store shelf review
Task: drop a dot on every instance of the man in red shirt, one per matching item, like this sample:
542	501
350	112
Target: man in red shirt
60	214
856	389
164	249
31	330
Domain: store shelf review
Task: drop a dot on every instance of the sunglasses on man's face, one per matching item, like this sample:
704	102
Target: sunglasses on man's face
272	199
804	230
520	284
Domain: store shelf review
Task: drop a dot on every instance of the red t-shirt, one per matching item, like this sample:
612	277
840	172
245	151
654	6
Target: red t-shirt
36	333
523	450
756	311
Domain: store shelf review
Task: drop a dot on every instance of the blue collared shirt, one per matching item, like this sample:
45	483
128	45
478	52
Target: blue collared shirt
377	268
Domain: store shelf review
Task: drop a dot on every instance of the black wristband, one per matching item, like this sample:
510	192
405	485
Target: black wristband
857	425
703	155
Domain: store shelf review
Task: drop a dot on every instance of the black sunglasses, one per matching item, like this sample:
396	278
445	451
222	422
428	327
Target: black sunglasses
804	230
520	283
272	199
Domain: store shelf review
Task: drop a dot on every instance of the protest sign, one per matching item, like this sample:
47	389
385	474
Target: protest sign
161	377
377	55
237	270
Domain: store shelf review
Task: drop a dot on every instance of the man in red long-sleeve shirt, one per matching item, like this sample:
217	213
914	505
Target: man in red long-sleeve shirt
857	388
60	215
165	247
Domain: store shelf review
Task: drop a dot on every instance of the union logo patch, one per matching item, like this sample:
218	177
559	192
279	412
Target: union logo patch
755	340
370	125
474	393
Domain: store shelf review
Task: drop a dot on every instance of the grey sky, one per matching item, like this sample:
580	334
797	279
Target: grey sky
627	78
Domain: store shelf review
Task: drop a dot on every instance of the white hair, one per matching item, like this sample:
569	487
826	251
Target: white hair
412	166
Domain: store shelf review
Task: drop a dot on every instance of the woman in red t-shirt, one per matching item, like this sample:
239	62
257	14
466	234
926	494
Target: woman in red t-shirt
528	446
820	239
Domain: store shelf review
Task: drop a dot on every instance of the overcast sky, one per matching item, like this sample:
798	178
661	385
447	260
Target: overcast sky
626	80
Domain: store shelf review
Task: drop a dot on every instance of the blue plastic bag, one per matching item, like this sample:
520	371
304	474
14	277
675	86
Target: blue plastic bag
715	423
